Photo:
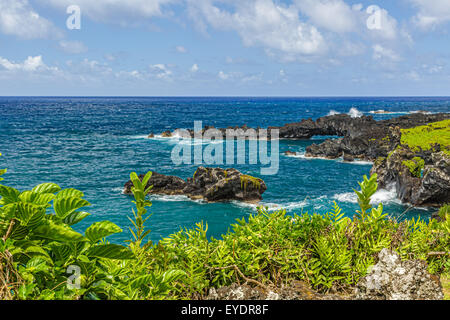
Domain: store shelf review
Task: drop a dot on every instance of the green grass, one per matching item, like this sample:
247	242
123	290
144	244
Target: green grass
415	166
424	137
445	280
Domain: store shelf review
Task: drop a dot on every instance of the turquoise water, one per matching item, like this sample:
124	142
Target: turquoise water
93	144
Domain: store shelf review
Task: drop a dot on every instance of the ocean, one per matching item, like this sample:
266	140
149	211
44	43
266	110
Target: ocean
93	144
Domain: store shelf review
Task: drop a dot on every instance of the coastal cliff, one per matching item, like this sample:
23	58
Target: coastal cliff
411	152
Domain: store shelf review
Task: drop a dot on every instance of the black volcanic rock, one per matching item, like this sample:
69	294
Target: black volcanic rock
378	141
209	184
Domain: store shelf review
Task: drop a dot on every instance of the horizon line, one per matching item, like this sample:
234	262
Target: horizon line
225	96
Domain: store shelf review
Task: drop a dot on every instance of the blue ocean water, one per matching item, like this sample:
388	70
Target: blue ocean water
93	144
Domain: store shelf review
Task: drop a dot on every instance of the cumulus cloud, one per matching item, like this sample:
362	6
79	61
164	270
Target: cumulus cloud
383	53
431	13
18	18
194	68
31	64
72	47
181	49
333	15
115	11
161	71
388	26
261	23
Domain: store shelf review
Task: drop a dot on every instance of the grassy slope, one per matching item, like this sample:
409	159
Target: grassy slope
445	280
425	136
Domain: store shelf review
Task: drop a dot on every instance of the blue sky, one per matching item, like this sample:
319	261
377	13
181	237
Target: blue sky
226	48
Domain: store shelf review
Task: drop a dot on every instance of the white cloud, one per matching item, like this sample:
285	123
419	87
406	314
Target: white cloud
18	18
31	64
161	71
261	23
194	68
72	47
115	11
383	53
388	26
333	15
413	75
431	12
223	76
181	49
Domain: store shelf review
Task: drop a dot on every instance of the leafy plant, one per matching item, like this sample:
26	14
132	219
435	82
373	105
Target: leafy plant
40	250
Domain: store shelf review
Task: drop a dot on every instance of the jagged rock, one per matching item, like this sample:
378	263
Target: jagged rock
378	141
393	279
433	189
290	153
364	136
348	157
297	290
162	184
328	149
435	185
209	184
166	134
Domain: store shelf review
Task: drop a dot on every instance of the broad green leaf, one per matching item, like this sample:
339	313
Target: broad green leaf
136	181
9	195
38	251
29	214
100	230
110	251
36	198
59	232
60	251
146	179
37	264
67	193
65	206
46	188
75	217
19	232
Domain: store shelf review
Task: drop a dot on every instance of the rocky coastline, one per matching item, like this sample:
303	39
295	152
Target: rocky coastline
208	184
420	174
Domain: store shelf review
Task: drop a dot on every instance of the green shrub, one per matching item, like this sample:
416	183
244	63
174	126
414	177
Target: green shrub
425	137
415	166
39	250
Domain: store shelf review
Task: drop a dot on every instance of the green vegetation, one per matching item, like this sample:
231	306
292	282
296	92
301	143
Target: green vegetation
246	179
415	166
39	250
446	286
425	137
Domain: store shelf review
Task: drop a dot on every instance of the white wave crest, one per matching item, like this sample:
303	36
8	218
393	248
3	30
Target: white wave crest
333	113
388	195
355	113
174	198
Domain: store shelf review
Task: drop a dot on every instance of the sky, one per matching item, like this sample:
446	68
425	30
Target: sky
224	48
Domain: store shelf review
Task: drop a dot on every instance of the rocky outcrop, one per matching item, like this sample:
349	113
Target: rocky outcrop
422	179
296	290
208	184
363	138
393	279
369	139
356	130
290	153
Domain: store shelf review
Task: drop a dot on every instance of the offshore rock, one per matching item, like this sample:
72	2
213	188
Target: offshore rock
360	133
393	279
208	184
